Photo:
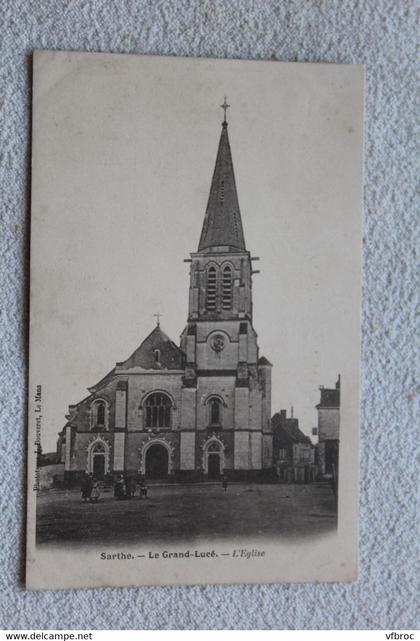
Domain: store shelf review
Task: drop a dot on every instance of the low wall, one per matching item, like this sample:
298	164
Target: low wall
47	474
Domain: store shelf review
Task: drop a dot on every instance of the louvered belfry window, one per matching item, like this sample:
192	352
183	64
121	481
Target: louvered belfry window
158	411
227	286
211	292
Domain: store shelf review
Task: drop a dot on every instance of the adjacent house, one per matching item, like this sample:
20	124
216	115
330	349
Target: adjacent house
293	451
329	429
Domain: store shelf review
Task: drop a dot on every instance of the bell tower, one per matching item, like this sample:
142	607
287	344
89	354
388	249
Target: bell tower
221	271
219	340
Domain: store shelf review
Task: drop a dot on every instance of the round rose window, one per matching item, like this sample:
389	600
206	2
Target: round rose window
217	342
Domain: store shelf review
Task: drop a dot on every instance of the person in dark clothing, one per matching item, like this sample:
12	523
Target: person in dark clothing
86	487
130	485
224	482
143	490
119	489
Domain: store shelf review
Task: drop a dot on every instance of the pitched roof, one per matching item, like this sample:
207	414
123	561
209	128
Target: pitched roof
169	356
290	427
329	398
100	383
296	433
222	223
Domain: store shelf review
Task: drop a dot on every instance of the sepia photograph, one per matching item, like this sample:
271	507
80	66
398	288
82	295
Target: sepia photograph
208	245
195	296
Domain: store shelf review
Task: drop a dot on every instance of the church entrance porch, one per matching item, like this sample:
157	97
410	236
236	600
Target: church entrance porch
157	462
98	458
213	458
98	466
213	465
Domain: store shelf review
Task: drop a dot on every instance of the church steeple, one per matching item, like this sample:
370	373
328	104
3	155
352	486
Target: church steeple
221	269
222	223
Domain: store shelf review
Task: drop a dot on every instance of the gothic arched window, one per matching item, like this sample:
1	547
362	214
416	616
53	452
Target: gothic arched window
100	413
211	291
215	411
158	410
227	288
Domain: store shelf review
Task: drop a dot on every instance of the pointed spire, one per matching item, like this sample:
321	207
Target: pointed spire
222	223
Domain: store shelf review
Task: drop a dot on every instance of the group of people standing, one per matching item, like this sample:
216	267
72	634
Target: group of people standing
90	489
124	488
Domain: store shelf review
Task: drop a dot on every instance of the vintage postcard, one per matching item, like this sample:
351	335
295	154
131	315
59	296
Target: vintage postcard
194	321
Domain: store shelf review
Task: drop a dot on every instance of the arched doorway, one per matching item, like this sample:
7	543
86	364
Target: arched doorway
99	466
98	460
213	465
157	462
213	458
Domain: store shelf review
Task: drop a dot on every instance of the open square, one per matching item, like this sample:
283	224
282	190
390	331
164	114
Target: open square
187	513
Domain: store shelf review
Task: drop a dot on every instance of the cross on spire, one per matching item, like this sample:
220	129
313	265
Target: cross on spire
158	317
225	107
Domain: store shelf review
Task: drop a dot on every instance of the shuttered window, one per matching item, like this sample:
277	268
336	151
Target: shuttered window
211	292
227	287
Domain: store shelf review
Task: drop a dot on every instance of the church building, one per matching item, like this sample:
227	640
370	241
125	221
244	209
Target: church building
203	408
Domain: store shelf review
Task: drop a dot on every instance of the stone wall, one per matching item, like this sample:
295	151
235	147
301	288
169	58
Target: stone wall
48	473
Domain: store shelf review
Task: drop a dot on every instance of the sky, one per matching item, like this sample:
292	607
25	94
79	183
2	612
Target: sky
123	153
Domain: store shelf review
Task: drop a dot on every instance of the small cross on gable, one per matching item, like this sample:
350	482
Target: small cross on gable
158	316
